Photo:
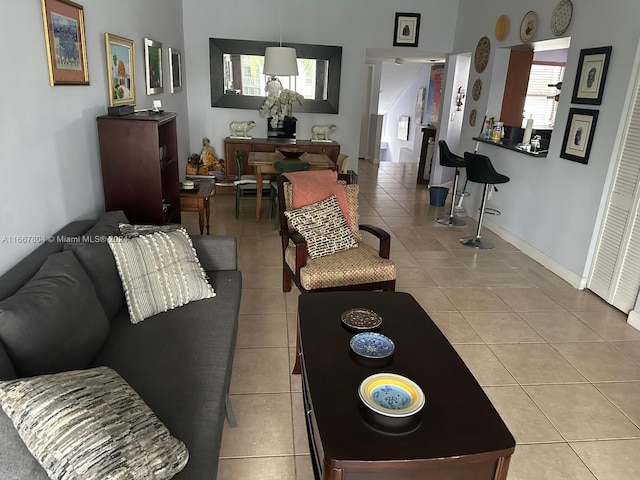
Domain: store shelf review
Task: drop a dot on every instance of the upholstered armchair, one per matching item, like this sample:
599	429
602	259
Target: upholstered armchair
358	266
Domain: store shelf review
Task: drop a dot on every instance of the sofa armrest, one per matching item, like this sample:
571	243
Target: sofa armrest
216	252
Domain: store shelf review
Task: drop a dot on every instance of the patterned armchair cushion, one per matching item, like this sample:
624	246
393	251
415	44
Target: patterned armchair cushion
349	267
351	192
323	227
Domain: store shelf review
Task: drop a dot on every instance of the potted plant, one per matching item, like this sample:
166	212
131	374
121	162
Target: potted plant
279	109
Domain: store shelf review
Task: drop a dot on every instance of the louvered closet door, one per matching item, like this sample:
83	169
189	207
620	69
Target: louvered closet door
616	273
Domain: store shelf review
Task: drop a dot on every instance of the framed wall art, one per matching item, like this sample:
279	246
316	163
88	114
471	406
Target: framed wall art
592	73
65	40
120	62
175	69
153	66
403	127
578	136
407	29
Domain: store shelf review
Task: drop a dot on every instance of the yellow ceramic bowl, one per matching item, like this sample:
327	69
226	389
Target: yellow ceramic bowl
391	395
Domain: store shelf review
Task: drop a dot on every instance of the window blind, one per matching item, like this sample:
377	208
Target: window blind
537	105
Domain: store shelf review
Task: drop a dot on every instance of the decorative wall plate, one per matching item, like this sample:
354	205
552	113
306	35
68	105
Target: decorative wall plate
481	57
561	17
473	117
476	90
528	26
502	27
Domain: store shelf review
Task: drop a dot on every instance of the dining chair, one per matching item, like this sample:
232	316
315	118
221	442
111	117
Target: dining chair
246	184
342	163
283	167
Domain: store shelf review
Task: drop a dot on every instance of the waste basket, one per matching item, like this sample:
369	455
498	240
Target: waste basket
438	196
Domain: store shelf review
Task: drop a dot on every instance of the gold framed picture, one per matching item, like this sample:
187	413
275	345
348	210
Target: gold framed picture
63	22
120	62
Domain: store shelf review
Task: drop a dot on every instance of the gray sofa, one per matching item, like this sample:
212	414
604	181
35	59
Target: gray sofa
178	361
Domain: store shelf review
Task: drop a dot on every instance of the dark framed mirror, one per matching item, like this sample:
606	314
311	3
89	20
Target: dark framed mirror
235	68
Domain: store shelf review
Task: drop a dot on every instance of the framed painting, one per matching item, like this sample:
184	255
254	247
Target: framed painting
120	71
578	136
407	29
403	127
65	40
591	76
153	66
175	69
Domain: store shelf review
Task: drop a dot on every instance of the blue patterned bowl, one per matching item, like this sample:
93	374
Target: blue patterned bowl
391	395
372	345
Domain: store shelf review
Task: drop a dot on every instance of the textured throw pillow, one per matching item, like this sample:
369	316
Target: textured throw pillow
323	227
159	272
90	424
55	321
128	230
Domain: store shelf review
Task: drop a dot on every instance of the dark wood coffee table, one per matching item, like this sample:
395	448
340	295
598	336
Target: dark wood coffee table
457	436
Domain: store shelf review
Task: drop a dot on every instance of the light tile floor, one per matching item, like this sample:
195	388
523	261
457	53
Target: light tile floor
561	366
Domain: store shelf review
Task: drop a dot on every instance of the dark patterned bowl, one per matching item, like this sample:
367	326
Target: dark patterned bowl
291	151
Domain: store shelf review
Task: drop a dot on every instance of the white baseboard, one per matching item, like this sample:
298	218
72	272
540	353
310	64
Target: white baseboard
634	319
567	275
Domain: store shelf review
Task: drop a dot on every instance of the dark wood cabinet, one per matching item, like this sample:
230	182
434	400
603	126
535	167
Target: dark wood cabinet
426	155
139	159
332	149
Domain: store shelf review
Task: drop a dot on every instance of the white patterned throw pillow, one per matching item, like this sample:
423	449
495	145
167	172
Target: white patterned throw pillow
323	227
159	271
91	425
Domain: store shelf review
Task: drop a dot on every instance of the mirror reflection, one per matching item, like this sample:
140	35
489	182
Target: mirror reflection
243	76
236	78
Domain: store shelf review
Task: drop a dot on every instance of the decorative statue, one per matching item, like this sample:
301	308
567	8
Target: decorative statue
273	87
209	162
323	131
240	129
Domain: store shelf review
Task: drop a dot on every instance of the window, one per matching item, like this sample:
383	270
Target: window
540	102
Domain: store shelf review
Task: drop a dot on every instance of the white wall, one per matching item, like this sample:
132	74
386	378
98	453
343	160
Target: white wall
404	105
451	121
551	205
49	154
355	25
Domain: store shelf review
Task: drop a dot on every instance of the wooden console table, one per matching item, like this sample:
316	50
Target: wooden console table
331	149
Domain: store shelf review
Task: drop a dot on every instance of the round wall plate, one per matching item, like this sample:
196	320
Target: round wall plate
502	27
481	57
476	90
561	17
473	117
528	26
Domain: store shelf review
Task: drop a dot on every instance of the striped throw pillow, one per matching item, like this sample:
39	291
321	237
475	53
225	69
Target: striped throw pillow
90	424
159	272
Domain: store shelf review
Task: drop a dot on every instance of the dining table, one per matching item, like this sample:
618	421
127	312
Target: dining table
262	164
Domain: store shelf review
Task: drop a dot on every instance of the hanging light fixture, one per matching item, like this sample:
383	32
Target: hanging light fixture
280	60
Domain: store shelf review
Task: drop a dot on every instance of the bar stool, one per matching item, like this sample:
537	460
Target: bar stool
480	170
448	159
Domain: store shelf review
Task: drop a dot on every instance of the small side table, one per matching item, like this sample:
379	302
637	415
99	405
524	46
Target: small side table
197	200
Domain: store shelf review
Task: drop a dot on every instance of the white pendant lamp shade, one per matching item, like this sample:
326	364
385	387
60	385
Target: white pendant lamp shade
280	61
